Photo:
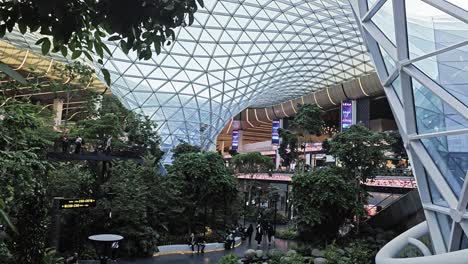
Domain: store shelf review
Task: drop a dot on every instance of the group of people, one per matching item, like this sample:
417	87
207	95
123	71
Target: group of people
79	142
264	229
65	141
197	241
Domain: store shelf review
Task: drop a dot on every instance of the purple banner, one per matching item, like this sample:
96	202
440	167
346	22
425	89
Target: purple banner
275	139
235	139
346	114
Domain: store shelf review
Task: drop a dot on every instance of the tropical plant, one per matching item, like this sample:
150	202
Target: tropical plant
75	28
288	146
184	148
324	199
306	123
252	163
204	190
228	259
50	257
360	150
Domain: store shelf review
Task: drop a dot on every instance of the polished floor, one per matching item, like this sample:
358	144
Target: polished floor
209	258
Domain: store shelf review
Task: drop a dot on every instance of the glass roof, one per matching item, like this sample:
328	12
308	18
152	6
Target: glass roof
239	54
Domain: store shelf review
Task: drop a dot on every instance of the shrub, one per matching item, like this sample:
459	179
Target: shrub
357	252
288	234
228	259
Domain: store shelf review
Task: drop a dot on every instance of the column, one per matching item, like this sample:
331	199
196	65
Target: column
57	110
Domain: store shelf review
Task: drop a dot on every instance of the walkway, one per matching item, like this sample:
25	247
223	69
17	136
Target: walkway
208	258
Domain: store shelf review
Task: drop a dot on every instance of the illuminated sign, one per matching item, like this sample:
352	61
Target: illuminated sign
77	203
235	139
275	139
346	114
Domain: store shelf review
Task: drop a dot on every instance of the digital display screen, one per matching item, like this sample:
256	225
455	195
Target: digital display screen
235	139
77	203
346	114
275	138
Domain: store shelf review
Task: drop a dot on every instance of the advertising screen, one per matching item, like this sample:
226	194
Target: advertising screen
275	139
346	114
235	139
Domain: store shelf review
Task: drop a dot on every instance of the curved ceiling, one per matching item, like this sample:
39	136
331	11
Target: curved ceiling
240	54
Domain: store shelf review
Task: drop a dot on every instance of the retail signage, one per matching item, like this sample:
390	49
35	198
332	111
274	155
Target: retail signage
275	139
77	203
346	114
235	139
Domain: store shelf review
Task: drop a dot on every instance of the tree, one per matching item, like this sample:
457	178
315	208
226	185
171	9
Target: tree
75	27
184	148
396	144
252	163
24	138
288	146
324	199
360	150
361	153
200	182
306	123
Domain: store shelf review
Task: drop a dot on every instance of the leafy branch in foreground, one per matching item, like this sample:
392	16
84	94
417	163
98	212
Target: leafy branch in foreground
80	27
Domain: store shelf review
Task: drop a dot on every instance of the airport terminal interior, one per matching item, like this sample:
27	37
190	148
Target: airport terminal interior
234	131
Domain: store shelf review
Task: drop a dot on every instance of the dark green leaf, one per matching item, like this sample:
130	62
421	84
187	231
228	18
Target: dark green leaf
12	73
107	78
124	47
45	46
76	54
98	48
104	46
114	38
88	55
157	47
40	41
200	2
22	28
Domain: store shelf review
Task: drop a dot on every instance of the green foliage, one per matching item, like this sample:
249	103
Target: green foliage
307	120
98	129
228	259
324	199
360	150
202	189
288	146
357	252
287	234
278	257
130	206
252	162
50	257
23	140
396	144
184	148
81	27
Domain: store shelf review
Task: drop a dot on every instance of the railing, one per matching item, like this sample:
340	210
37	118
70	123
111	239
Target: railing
388	254
375	206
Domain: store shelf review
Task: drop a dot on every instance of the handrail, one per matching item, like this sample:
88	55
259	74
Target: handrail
388	254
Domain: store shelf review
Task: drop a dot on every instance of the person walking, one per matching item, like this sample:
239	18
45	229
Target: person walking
250	232
78	143
259	235
270	233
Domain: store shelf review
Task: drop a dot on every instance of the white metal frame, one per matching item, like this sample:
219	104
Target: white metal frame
424	165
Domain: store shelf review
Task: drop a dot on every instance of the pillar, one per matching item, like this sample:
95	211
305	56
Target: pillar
57	109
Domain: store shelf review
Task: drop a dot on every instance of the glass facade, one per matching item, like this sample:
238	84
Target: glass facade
237	55
432	96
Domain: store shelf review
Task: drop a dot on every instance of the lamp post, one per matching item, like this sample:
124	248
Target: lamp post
104	245
245	204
